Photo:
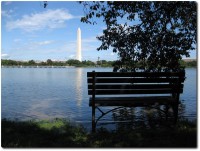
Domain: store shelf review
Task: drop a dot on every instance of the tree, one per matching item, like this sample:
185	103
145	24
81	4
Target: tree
155	34
88	63
31	62
73	62
49	62
8	62
192	64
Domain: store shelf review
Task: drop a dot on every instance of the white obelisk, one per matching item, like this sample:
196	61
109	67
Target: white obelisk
78	55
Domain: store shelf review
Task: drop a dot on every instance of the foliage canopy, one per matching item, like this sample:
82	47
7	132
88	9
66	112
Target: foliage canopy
154	34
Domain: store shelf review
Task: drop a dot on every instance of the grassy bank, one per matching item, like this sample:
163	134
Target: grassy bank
60	133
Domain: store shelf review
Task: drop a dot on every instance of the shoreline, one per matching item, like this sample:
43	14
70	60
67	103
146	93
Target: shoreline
3	66
62	133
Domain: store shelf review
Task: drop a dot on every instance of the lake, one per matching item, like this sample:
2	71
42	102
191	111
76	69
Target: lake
48	93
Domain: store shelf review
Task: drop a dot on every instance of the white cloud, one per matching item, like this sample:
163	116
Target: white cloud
89	40
49	19
7	13
47	42
4	56
90	44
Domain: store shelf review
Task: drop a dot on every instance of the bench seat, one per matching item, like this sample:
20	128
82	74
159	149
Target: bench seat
132	101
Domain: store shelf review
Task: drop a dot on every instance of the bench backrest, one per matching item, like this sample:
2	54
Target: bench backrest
117	83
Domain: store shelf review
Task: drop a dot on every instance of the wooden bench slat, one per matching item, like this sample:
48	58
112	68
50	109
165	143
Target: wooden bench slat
131	101
134	80
136	74
134	91
132	86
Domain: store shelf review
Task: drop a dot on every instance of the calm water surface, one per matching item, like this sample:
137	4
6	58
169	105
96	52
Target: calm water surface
47	93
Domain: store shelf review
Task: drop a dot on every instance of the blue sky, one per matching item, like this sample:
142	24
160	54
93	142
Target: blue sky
29	31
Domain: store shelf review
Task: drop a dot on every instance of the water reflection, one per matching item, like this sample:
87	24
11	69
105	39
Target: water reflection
145	117
79	93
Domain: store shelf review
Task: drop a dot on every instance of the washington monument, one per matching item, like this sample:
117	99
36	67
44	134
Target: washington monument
78	53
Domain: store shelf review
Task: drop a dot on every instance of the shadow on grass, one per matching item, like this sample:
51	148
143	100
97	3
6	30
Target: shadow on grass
55	133
60	133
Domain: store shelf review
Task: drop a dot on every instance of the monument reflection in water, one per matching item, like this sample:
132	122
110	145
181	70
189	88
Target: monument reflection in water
79	88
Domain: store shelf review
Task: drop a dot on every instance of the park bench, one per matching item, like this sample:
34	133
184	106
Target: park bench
133	89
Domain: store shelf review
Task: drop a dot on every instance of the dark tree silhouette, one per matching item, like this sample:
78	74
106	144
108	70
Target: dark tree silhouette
153	35
49	62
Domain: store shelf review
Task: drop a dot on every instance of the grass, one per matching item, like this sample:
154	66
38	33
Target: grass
61	133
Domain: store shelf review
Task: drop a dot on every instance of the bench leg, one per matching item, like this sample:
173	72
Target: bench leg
175	110
166	111
93	119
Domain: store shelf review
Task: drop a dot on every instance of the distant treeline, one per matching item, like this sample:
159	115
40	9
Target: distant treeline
76	63
49	62
189	64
